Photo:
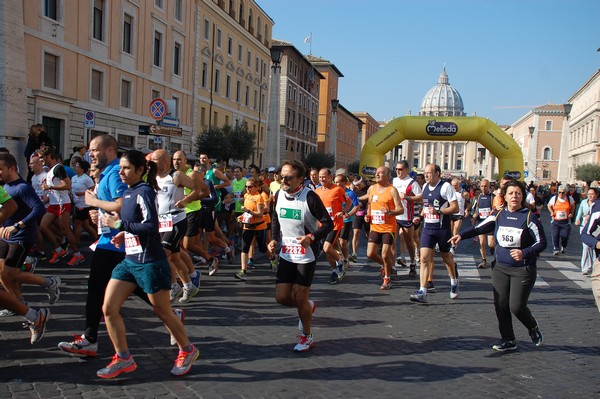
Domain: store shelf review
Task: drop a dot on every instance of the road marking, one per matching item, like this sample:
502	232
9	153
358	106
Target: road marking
572	272
467	268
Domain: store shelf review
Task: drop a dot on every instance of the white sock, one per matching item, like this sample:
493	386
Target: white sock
227	250
453	281
188	286
31	315
194	275
424	290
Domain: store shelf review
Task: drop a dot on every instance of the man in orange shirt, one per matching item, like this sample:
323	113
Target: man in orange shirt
334	198
384	205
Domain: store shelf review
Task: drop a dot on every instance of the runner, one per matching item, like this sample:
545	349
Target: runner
359	224
520	238
482	209
384	205
439	202
410	193
81	182
145	266
300	220
344	239
562	209
456	219
337	204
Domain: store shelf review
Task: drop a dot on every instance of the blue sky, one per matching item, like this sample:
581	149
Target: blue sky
503	56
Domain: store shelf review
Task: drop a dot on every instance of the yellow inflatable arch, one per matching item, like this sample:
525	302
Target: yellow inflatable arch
443	128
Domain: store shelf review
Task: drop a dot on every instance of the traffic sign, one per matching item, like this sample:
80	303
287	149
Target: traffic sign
90	119
168	121
526	174
158	108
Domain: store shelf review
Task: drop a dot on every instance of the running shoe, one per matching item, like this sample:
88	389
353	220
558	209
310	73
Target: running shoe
38	327
250	263
412	272
117	366
184	361
213	267
29	264
418	296
482	264
505	345
180	313
80	346
536	336
353	258
196	280
176	292
587	272
401	261
274	263
56	256
454	290
333	279
313	306
7	313
563	250
339	269
53	289
197	259
188	294
305	342
430	287
555	252
76	260
241	275
387	284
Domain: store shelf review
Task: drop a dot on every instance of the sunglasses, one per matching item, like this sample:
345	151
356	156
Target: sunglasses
287	178
562	192
249	186
399	168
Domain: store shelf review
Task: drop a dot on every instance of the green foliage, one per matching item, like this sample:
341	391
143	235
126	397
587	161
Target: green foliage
588	173
226	142
319	160
353	167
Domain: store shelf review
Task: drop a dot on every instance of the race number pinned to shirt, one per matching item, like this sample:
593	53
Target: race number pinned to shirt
484	212
165	223
431	215
246	218
291	247
561	215
509	237
377	217
132	244
330	211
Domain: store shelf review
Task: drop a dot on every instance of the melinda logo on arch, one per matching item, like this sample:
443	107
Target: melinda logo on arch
434	128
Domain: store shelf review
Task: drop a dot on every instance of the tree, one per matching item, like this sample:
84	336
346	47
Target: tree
226	142
353	167
319	160
588	172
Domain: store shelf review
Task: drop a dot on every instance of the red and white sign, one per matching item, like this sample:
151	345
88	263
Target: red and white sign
158	108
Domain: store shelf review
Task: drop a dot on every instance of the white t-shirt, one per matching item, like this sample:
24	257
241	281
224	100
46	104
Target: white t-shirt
80	184
411	188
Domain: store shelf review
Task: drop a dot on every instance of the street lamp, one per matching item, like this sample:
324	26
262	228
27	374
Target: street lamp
274	140
333	134
531	130
276	58
359	139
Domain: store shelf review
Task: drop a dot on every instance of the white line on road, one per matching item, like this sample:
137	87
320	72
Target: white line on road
572	272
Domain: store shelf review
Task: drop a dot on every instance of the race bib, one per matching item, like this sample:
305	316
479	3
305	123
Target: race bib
360	213
431	216
509	237
101	228
132	244
291	246
165	223
330	211
238	195
561	215
484	212
377	217
374	198
246	218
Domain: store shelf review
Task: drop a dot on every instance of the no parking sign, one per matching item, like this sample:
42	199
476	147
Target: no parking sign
158	108
90	120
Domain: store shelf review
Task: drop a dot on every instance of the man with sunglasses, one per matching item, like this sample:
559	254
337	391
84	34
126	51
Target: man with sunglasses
410	192
300	220
562	209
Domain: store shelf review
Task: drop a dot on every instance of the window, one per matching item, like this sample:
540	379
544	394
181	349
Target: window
127	30
202	116
157	48
177	59
179	10
228	87
219	37
240	51
229	46
255	106
206	29
257	64
158	3
545	174
155	94
175	112
204	74
98	21
247	99
249	60
51	9
217	80
50	71
548	125
125	93
97	82
125	140
547	153
238	91
459	164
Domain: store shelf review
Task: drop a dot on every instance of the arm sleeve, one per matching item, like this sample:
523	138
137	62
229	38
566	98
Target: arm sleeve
34	203
484	227
149	223
537	232
587	235
275	227
320	213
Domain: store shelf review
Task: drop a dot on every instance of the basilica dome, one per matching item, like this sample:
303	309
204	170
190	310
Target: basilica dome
442	99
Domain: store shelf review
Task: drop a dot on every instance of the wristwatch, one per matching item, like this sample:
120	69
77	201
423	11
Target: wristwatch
118	225
17	226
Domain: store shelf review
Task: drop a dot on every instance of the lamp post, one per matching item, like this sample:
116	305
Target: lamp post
532	164
565	172
333	133
274	140
359	139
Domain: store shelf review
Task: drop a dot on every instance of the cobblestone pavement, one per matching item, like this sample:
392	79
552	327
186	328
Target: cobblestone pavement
370	343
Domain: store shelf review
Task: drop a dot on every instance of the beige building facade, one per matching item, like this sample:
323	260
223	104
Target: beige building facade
584	130
109	59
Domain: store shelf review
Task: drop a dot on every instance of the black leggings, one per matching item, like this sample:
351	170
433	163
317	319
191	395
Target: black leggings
261	240
102	265
512	286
